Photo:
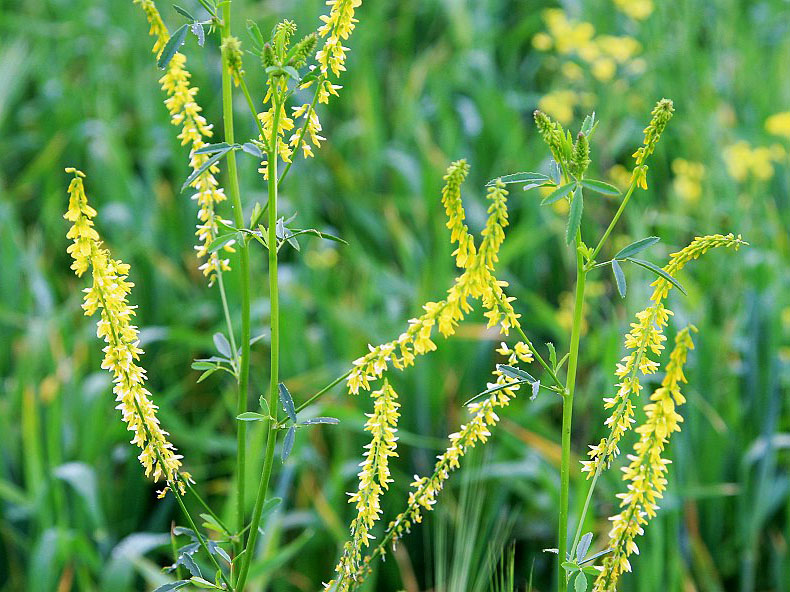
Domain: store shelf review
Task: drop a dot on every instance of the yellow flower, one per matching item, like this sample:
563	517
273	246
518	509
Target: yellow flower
284	124
186	114
542	41
559	104
688	179
779	124
604	69
621	49
108	293
646	337
742	160
337	27
637	9
646	473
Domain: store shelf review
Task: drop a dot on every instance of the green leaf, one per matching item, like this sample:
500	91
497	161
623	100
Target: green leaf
288	443
525	177
552	354
555	174
250	416
255	34
291	71
183	12
170	586
208	373
619	278
211	523
558	194
222	345
317	420
215	549
658	271
269	506
202	365
251	148
187	561
515	373
597	555
600	187
203	583
574	217
181	530
287	402
584	546
580	583
205	166
212	148
569	566
223	240
636	246
172	46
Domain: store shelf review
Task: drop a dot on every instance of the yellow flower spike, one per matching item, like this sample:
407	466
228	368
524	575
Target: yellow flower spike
646	337
337	27
108	294
267	121
374	477
661	113
646	474
778	124
456	216
636	9
195	131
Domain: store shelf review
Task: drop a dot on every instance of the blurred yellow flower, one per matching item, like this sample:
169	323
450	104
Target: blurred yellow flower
742	160
620	176
542	41
604	69
559	104
778	124
621	49
572	71
637	9
688	179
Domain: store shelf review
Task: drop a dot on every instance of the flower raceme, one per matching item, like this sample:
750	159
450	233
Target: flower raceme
108	294
646	473
195	131
646	337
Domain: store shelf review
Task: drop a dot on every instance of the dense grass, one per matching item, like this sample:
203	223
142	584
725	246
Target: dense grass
428	82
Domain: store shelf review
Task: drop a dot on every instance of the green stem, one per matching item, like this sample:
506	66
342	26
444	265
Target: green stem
226	311
332	384
274	325
586	507
613	223
206	507
539	358
567	415
244	261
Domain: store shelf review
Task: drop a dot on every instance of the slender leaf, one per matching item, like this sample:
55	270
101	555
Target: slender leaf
636	246
203	583
251	148
183	12
619	278
555	174
222	345
552	354
558	194
524	177
255	34
170	586
287	402
317	420
600	187
224	240
250	416
205	166
208	373
172	46
202	365
288	443
575	216
584	546
658	271
597	555
516	373
211	523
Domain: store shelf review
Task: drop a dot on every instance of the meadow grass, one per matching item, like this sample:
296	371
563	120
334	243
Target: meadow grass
429	82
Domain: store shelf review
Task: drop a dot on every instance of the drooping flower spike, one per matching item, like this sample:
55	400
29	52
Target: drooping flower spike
108	294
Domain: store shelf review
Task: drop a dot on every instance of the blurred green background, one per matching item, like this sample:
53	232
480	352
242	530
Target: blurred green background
428	82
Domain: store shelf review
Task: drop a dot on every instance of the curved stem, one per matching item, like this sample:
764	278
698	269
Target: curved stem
244	263
567	416
613	223
586	507
274	324
332	384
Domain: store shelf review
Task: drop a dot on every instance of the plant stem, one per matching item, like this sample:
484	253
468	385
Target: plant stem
614	221
539	358
274	325
244	262
302	131
226	311
206	507
578	535
335	382
567	415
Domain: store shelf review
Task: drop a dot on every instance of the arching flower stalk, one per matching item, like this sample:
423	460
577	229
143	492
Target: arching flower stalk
185	113
646	473
645	338
108	294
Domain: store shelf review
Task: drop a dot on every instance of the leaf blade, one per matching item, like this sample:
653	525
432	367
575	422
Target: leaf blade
172	46
619	278
658	271
636	246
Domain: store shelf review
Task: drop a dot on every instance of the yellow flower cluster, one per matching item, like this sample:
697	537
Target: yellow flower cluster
186	114
108	293
638	10
578	45
688	179
646	474
661	115
779	124
337	27
646	336
743	160
374	477
476	281
312	130
285	124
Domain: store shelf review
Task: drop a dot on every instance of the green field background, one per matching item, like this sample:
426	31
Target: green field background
428	82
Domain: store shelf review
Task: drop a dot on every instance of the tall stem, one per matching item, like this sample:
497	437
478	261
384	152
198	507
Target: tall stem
274	325
567	415
244	264
612	224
